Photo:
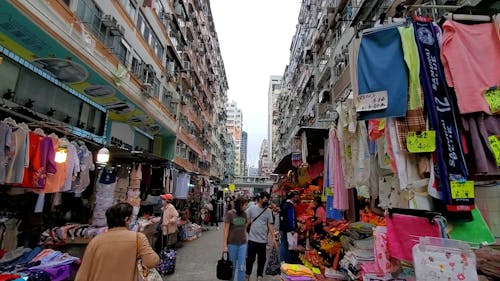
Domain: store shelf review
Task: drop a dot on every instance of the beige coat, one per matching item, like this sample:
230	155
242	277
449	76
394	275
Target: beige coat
170	216
112	256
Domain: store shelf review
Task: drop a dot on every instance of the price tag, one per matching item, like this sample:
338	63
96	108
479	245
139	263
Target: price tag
316	270
372	101
329	191
493	99
495	146
421	142
381	124
460	190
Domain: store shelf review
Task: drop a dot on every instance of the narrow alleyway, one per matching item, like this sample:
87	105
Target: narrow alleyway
197	260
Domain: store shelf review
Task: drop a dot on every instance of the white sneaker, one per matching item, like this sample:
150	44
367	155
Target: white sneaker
260	278
247	277
218	228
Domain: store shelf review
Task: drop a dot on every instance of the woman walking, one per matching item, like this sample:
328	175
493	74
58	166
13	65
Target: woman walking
235	237
113	255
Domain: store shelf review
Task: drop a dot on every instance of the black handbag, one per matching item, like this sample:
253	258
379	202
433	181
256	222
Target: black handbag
224	268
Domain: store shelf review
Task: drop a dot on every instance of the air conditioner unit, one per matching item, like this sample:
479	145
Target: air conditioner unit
117	30
146	89
108	21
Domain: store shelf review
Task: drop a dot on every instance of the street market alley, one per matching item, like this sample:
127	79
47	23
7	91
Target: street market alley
197	260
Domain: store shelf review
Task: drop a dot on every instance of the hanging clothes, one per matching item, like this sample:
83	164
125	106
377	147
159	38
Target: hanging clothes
86	165
73	165
336	179
20	159
380	55
104	196
439	103
470	56
56	180
6	149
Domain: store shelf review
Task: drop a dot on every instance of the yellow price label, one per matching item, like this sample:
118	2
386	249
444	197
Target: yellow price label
462	190
492	97
381	124
421	142
329	191
495	146
316	270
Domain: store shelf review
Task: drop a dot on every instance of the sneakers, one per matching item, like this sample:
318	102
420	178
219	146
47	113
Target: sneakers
218	228
247	277
260	278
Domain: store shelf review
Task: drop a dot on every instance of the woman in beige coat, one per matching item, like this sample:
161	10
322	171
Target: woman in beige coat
113	255
169	220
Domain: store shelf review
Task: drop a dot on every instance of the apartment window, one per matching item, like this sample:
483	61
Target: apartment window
131	8
90	14
149	36
156	87
122	51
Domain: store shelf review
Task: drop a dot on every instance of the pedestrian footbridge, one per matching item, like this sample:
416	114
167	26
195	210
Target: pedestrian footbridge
255	182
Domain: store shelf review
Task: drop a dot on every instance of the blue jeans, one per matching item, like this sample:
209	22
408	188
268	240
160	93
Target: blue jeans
284	254
238	255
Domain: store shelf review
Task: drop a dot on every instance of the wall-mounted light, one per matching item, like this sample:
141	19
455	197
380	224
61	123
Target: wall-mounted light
67	119
51	112
103	156
61	154
29	103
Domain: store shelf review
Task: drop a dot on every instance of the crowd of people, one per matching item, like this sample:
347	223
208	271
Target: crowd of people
250	228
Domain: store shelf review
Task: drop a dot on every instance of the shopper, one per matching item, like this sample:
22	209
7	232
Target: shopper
288	224
319	220
113	255
214	220
260	218
169	221
235	237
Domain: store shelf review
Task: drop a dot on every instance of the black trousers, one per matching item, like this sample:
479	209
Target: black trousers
259	250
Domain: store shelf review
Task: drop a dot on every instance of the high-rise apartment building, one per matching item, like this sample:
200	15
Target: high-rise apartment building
265	164
136	76
244	150
234	124
272	96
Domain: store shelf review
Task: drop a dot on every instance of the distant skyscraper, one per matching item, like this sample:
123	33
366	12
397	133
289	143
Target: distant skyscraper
234	126
253	171
273	94
244	149
264	160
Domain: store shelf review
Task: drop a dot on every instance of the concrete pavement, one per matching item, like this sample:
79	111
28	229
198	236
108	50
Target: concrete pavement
197	260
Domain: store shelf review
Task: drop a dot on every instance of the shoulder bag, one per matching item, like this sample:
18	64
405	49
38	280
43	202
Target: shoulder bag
143	273
250	224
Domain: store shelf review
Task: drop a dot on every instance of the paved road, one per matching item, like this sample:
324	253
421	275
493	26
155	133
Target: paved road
197	260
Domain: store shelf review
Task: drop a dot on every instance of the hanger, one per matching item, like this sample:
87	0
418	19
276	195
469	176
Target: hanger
9	121
385	27
414	212
23	126
465	17
40	132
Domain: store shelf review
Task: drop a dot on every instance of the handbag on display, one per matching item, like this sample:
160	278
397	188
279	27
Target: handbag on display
224	268
143	273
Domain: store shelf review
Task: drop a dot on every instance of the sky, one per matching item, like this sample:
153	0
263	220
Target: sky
255	38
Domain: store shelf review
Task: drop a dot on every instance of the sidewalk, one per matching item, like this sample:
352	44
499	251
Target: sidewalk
197	260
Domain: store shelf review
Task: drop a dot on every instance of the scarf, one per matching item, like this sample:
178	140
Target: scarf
440	108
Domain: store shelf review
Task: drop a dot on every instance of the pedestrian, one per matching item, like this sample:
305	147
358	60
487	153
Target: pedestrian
169	221
260	218
235	237
113	255
213	213
288	224
319	219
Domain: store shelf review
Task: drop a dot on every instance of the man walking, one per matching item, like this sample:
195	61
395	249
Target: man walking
260	218
288	224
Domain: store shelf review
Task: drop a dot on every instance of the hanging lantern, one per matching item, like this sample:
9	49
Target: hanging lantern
103	155
61	154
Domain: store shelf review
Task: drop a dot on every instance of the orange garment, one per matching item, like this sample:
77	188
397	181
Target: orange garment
29	178
56	181
471	56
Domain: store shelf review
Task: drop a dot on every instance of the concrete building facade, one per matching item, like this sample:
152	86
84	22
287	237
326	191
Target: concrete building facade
234	126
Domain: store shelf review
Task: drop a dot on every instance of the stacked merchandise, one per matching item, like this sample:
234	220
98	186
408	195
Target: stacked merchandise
296	272
190	231
69	233
36	263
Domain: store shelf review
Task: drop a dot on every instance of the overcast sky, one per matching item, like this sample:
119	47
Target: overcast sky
255	38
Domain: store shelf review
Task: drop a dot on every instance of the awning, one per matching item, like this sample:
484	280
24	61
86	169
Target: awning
284	165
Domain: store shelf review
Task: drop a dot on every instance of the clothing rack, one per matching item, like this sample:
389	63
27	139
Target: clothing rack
465	17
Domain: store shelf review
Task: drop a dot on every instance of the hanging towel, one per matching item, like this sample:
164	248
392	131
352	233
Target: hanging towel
381	56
